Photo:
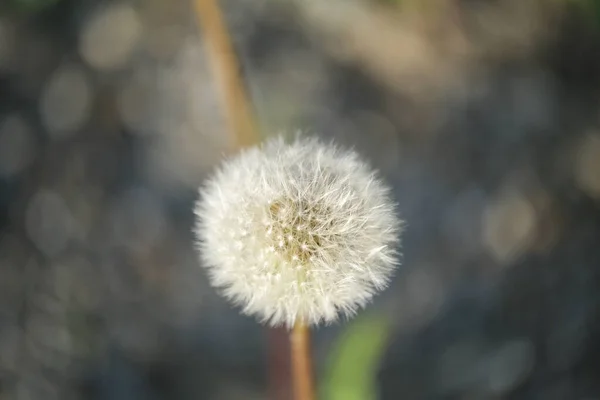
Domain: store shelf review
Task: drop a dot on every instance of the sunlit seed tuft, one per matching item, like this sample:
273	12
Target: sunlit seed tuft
298	230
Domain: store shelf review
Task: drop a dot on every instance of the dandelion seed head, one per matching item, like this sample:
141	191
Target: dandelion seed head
297	230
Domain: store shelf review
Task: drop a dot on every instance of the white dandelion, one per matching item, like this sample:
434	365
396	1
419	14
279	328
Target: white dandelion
298	231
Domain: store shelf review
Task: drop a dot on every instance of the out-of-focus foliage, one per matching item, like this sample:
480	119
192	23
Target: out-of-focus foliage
31	6
591	9
355	359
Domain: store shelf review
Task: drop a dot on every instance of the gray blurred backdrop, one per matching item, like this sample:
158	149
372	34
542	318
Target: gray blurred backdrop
482	114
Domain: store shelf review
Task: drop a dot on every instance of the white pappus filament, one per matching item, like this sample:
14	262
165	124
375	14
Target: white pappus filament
297	230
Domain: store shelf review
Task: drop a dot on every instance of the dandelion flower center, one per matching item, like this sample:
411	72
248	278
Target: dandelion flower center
294	228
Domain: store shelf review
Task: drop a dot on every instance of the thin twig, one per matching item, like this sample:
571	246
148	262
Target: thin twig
226	68
301	363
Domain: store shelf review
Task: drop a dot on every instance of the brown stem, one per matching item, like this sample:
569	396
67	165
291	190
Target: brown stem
226	69
279	377
301	363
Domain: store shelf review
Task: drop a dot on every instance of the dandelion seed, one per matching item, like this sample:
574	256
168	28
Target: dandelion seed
316	220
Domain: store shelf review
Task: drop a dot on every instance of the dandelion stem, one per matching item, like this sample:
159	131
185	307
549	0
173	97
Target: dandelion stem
238	111
301	362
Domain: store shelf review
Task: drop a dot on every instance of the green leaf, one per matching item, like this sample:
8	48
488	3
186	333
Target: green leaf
353	365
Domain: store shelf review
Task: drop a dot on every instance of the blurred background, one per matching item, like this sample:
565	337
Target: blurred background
482	114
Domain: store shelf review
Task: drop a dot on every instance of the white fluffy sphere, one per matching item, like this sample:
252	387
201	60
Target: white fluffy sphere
297	231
